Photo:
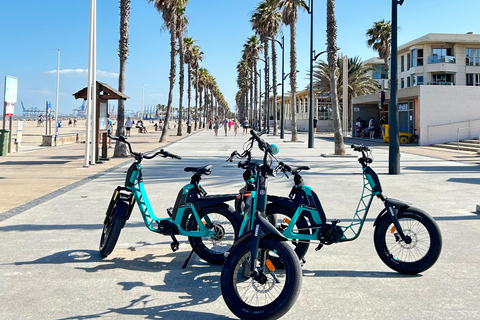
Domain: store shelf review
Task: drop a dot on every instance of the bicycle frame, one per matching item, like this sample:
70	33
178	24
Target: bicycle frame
134	183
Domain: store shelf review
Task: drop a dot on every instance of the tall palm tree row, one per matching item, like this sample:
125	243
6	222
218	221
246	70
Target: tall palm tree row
267	21
379	37
188	45
197	56
289	18
359	83
242	82
332	66
120	148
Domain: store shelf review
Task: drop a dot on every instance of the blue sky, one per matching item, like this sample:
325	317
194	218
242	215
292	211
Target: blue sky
32	30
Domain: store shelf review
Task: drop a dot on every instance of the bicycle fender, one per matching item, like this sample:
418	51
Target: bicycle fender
392	203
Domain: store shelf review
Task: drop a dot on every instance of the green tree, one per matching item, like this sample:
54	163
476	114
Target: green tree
359	83
120	148
289	18
380	39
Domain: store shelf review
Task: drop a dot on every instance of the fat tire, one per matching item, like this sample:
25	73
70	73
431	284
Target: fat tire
416	223
232	274
213	250
113	224
300	248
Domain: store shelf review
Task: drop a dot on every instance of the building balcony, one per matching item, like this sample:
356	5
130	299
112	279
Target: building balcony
441	59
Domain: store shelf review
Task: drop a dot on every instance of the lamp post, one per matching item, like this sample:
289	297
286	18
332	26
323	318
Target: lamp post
143	96
283	82
259	101
56	96
394	147
267	102
310	112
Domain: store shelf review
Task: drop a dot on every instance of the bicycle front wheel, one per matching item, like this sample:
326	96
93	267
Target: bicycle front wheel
419	252
272	291
112	226
225	223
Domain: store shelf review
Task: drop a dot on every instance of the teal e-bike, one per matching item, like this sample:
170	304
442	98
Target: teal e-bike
210	224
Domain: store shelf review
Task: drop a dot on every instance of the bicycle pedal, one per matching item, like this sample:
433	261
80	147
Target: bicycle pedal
174	245
170	211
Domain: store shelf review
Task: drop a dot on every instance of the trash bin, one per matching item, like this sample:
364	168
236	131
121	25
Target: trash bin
3	142
189	129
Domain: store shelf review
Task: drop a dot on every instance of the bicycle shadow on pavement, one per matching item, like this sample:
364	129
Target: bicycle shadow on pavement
355	274
196	285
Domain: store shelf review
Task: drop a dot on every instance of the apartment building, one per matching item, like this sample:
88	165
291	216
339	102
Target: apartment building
438	88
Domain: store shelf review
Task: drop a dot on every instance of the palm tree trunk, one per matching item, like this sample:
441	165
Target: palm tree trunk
189	94
121	148
196	98
293	80
332	65
173	67
182	80
267	73
255	114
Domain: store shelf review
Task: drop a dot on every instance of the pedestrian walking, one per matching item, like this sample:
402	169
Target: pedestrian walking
245	125
215	126
225	125
236	125
128	126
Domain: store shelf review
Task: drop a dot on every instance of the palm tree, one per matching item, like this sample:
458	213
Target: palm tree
202	76
359	83
182	22
290	17
197	56
379	38
242	82
168	9
188	46
121	148
250	54
266	21
332	66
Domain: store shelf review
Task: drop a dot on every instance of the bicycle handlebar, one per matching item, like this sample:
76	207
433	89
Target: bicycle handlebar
162	152
360	147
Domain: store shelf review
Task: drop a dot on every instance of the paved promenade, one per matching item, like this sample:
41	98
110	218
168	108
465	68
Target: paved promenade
51	268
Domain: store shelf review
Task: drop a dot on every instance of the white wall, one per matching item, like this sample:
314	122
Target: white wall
444	109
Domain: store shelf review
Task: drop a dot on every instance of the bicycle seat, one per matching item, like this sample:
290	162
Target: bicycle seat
298	169
246	164
200	170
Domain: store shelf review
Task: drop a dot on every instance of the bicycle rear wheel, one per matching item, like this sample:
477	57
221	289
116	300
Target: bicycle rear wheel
112	226
275	288
221	219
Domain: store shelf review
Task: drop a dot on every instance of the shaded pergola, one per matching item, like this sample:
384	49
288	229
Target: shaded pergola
104	93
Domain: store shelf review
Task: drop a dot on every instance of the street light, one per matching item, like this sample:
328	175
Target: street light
283	82
310	112
394	147
267	111
259	101
143	96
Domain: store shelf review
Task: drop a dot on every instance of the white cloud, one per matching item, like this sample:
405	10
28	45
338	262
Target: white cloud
157	95
81	72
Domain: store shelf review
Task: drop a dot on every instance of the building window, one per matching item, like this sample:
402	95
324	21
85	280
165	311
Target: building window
402	83
477	79
477	57
408	61
470	79
402	63
419	57
414	79
408	82
413	55
420	80
443	79
379	72
442	55
469	57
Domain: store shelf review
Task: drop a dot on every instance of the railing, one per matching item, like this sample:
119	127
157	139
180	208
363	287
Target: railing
446	132
441	83
469	134
441	59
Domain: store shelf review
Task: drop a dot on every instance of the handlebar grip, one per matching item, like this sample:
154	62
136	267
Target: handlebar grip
171	155
360	147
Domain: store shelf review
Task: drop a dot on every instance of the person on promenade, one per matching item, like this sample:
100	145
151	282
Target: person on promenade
128	126
230	124
215	126
74	122
109	130
315	122
236	125
225	125
160	125
245	125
